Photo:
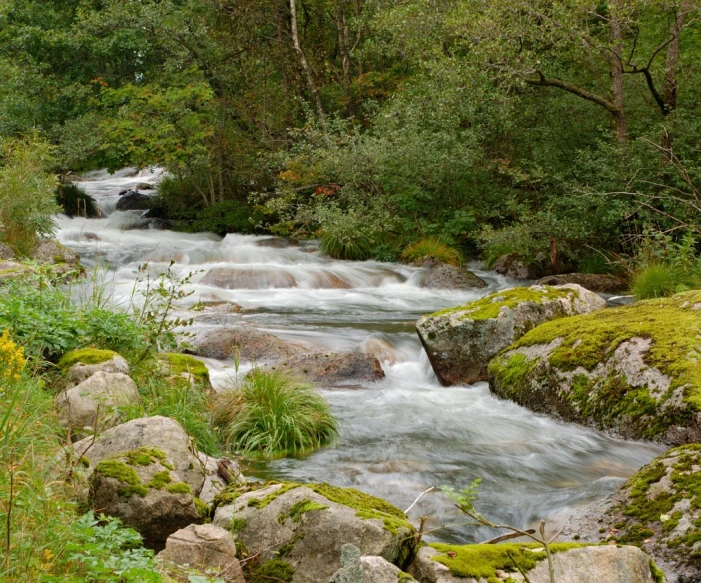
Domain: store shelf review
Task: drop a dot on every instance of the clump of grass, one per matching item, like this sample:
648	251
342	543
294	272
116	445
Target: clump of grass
662	280
76	202
272	414
340	246
432	247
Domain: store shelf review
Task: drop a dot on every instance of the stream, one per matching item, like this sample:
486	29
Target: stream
398	436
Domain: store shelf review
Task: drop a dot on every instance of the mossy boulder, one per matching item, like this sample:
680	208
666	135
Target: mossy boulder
460	341
64	262
85	356
83	363
307	524
10	270
573	563
632	371
188	367
141	488
658	510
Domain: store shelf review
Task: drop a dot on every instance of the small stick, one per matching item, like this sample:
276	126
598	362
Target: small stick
418	498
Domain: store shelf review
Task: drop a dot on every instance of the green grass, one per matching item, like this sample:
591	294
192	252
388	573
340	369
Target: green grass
356	248
272	414
662	280
432	247
76	202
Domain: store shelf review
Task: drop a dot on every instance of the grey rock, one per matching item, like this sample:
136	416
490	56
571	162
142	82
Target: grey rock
79	372
248	278
204	547
133	201
51	251
370	569
93	405
6	252
444	276
426	570
334	368
146	503
12	270
461	342
214	483
600	283
512	266
252	344
311	539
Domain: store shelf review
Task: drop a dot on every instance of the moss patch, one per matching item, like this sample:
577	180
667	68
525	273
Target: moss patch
85	356
183	363
490	306
179	488
483	561
302	507
272	571
202	508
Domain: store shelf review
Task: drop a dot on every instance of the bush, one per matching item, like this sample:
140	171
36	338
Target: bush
272	414
344	246
27	201
76	202
662	280
432	247
230	216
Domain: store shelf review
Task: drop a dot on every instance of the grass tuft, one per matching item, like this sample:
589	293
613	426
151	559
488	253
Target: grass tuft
356	248
661	280
432	247
272	415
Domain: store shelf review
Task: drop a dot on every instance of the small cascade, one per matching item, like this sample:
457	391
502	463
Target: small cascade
398	436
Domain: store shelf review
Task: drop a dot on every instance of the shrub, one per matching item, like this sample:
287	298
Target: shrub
432	247
12	359
230	216
75	201
272	414
344	246
662	280
26	194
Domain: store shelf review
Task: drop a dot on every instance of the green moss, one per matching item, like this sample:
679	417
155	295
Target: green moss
85	356
119	471
286	549
657	573
144	456
237	524
129	491
179	488
483	561
273	571
202	508
403	577
490	306
160	479
84	461
183	363
302	507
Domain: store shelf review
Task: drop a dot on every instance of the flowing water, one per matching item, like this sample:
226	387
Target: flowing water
398	436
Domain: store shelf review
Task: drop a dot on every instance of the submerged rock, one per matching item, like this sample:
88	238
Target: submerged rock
251	344
461	341
133	201
230	278
633	371
596	282
573	563
658	510
300	528
513	266
334	368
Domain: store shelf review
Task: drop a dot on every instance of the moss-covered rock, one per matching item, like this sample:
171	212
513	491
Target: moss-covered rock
88	356
308	523
658	510
460	341
632	371
188	367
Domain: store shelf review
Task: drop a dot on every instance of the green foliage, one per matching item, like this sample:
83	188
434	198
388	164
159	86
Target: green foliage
26	193
272	414
661	281
432	247
75	201
272	571
230	216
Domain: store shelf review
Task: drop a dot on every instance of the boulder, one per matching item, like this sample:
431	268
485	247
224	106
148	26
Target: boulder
6	252
79	371
93	405
573	563
461	341
334	368
277	242
252	344
304	526
511	265
657	510
206	548
141	488
158	432
444	276
13	270
596	282
64	261
134	201
632	371
371	569
249	278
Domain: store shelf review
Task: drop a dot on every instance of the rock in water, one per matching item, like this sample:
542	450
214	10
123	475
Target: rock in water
141	488
204	547
133	201
512	266
334	368
461	341
658	509
444	276
229	278
595	282
632	371
300	528
440	563
251	344
93	405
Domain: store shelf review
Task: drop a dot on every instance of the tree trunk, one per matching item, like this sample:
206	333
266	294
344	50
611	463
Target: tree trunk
305	66
620	123
344	48
670	85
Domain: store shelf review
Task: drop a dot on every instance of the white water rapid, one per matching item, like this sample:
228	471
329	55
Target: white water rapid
398	436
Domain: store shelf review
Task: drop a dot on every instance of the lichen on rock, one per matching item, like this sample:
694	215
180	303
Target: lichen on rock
633	371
